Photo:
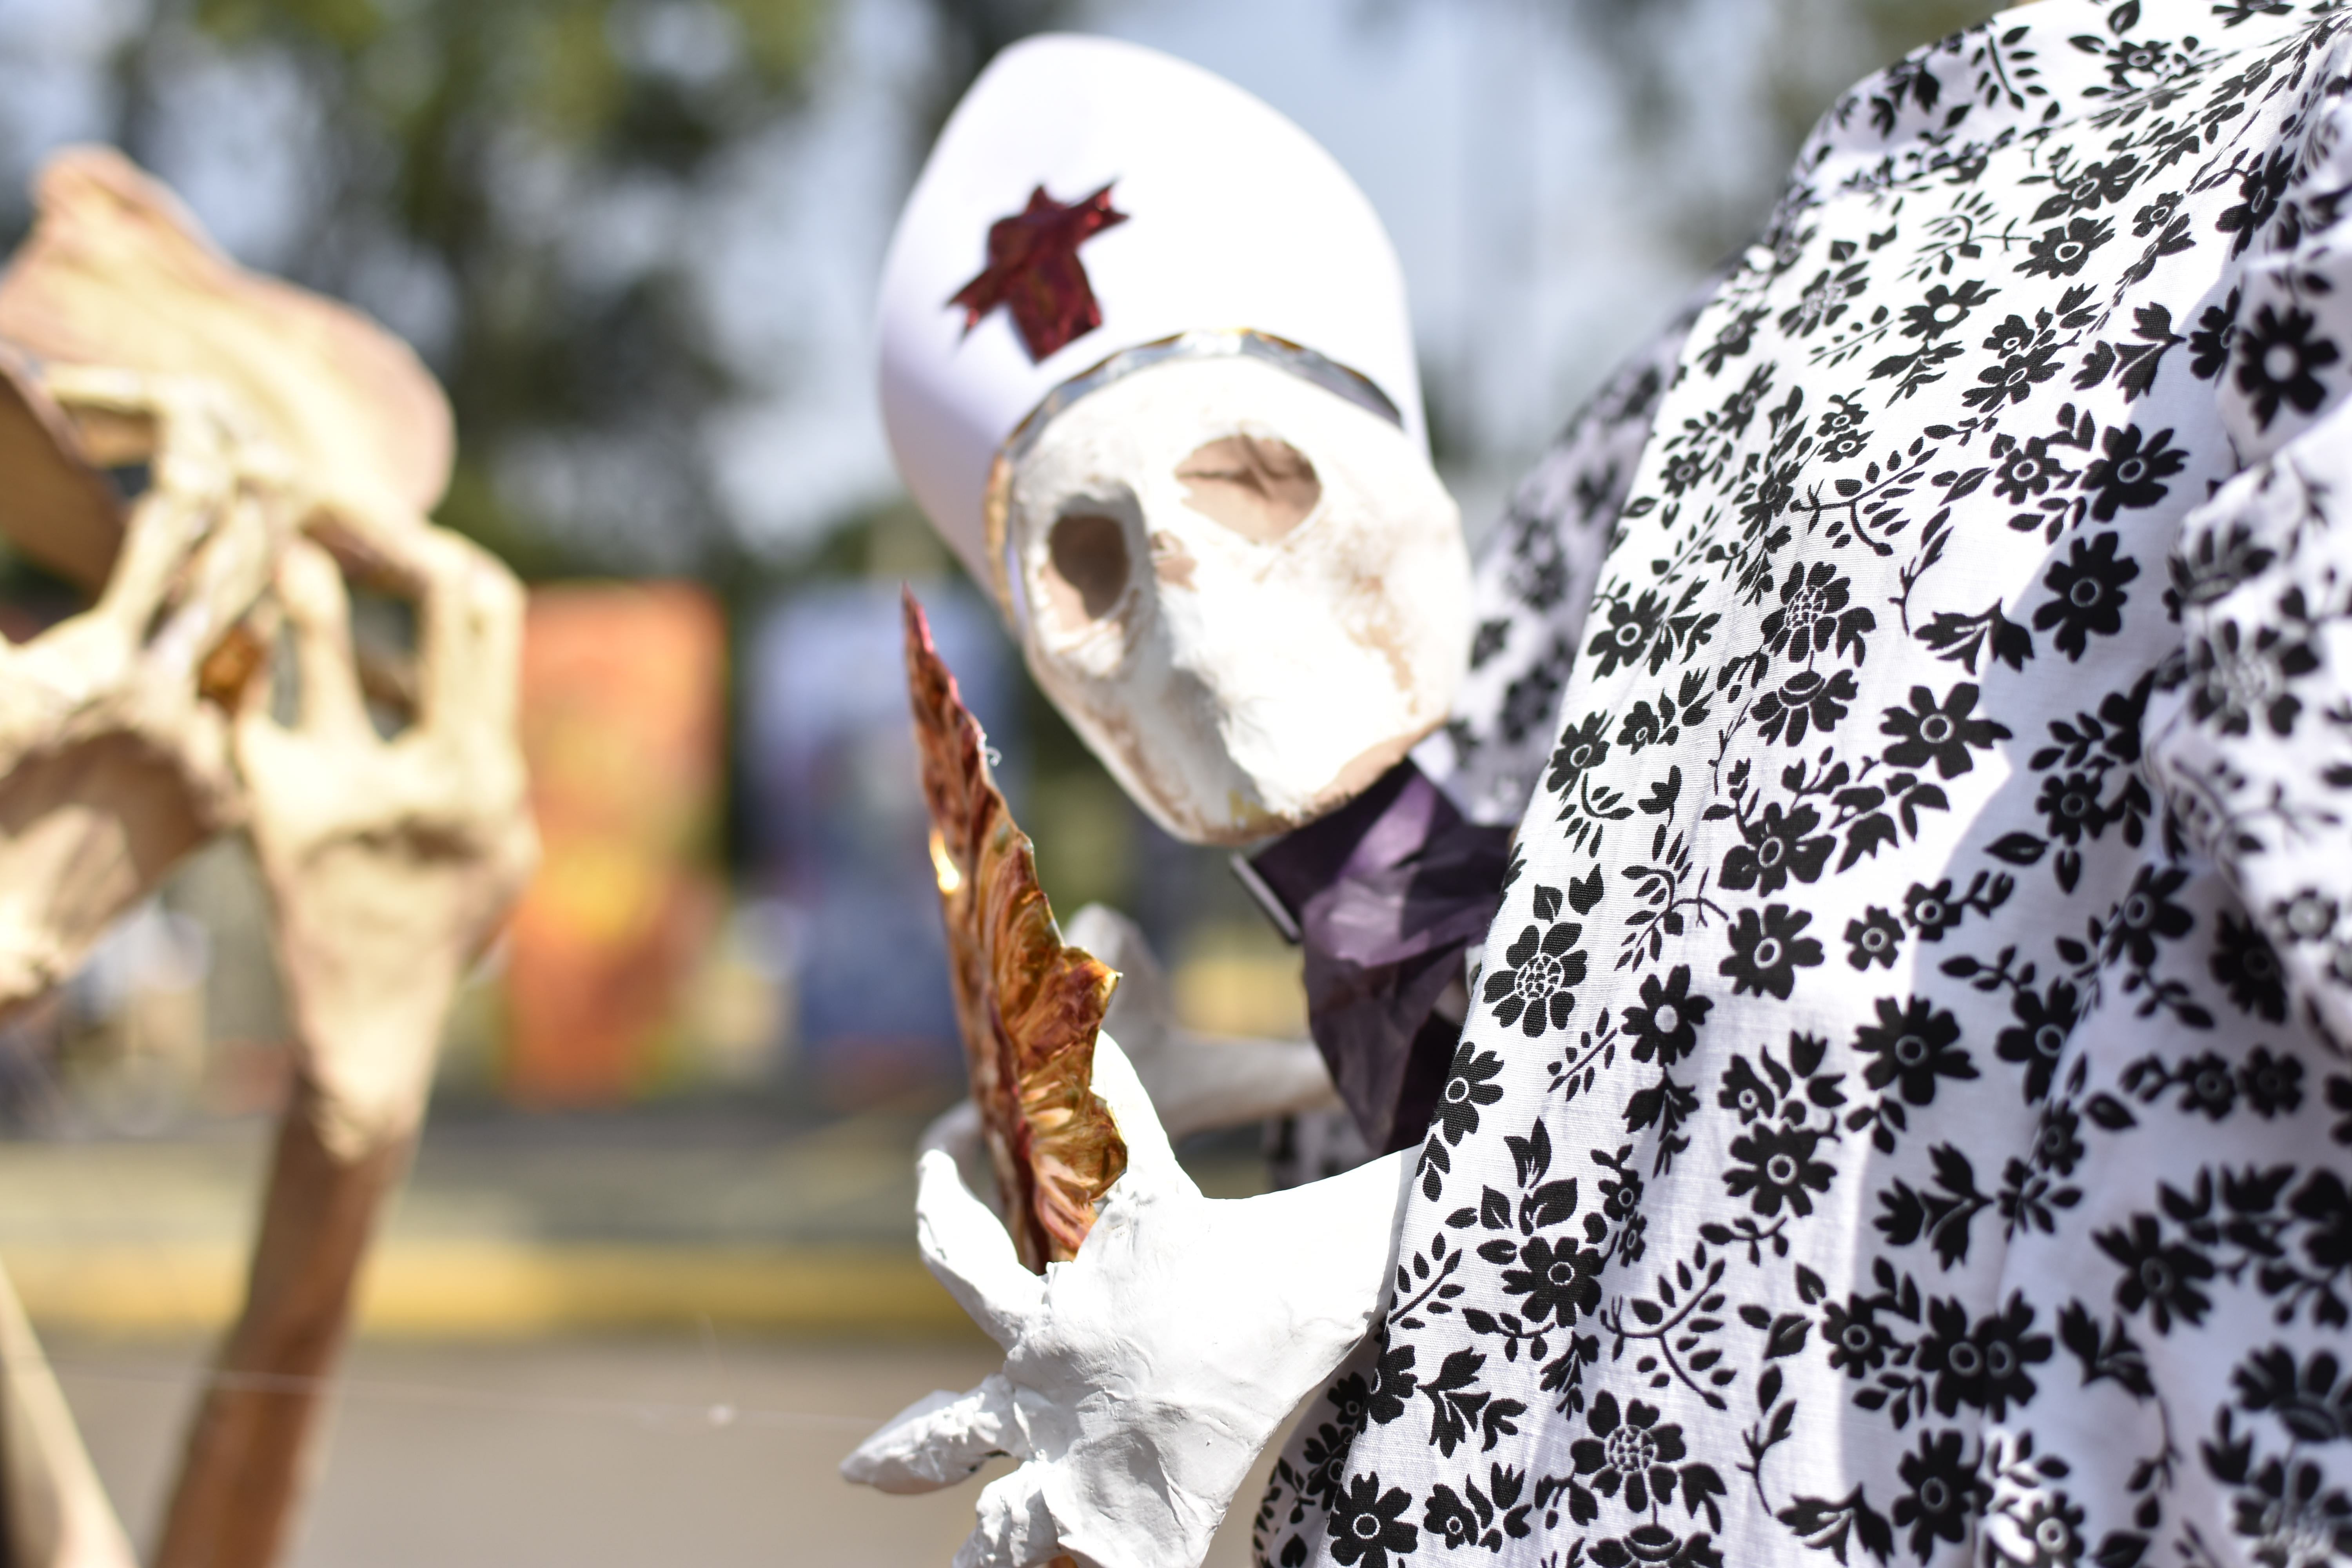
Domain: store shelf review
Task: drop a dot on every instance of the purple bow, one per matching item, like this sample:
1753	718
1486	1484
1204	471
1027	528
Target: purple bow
1385	895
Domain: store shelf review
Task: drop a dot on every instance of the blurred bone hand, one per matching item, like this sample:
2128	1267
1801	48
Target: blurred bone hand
113	762
287	443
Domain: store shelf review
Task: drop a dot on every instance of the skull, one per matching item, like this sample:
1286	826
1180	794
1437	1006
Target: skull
1247	593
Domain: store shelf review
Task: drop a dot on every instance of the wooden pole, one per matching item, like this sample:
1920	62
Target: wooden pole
249	1459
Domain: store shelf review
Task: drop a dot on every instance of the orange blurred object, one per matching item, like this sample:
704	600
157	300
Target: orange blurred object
622	703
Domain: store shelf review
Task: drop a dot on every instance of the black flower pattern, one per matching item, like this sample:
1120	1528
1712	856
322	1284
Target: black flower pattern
1367	1523
1629	1450
1632	623
1559	1280
1931	910
2272	1084
1942	309
1450	1519
2088	593
2130	471
1534	990
2064	252
2049	1534
2165	1278
2029	469
1911	1046
2148	915
1776	1165
2073	808
1469	1087
1875	938
2036	1040
1815	612
1666	1023
1806	703
1986	1366
1962	580
1768	948
2239	680
1582	747
1780	845
2278	362
2292	1517
1946	1492
1940	731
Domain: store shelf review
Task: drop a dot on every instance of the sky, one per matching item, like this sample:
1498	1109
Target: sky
1534	254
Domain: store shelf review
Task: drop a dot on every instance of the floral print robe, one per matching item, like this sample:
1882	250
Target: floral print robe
1905	1114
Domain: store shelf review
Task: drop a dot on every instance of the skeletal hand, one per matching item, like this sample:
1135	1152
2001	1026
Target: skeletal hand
113	764
1142	1379
390	863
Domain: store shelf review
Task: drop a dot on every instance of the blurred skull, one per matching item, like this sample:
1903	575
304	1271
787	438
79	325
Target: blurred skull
1247	593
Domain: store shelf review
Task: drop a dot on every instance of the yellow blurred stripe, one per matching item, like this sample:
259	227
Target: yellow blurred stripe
483	1289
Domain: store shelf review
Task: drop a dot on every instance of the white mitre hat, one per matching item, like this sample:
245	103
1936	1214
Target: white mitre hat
1220	220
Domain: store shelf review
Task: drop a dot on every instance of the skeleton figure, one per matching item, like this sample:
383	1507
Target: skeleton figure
1187	455
1208	518
1145	361
288	442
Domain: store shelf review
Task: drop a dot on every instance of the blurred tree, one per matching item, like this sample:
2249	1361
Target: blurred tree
970	33
1816	49
527	177
477	151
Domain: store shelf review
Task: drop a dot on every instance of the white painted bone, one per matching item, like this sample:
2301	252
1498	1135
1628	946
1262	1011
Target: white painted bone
1141	1380
57	1511
112	763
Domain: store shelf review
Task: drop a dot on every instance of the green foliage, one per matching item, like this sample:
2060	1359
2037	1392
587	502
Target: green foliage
1816	49
465	147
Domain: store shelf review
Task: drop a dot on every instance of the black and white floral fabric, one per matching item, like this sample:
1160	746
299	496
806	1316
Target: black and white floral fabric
1905	1114
1534	588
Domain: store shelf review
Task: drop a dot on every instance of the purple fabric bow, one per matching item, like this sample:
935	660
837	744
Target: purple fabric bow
1385	895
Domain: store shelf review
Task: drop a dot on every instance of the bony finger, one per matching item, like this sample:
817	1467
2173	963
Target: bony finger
1016	1528
223	581
163	530
1151	1160
967	1248
470	644
938	1441
310	588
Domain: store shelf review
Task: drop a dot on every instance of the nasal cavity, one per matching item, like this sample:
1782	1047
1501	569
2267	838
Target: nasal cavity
1087	557
1259	486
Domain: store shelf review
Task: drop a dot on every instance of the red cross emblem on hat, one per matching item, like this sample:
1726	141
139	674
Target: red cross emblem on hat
1034	271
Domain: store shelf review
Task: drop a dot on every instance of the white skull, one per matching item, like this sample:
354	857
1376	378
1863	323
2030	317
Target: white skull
1248	594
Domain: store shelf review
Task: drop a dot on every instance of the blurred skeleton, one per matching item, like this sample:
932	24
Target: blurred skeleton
288	443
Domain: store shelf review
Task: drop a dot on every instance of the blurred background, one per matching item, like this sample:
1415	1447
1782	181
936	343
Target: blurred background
655	1271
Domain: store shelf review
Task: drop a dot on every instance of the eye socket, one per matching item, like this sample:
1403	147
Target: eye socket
1261	486
1086	566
